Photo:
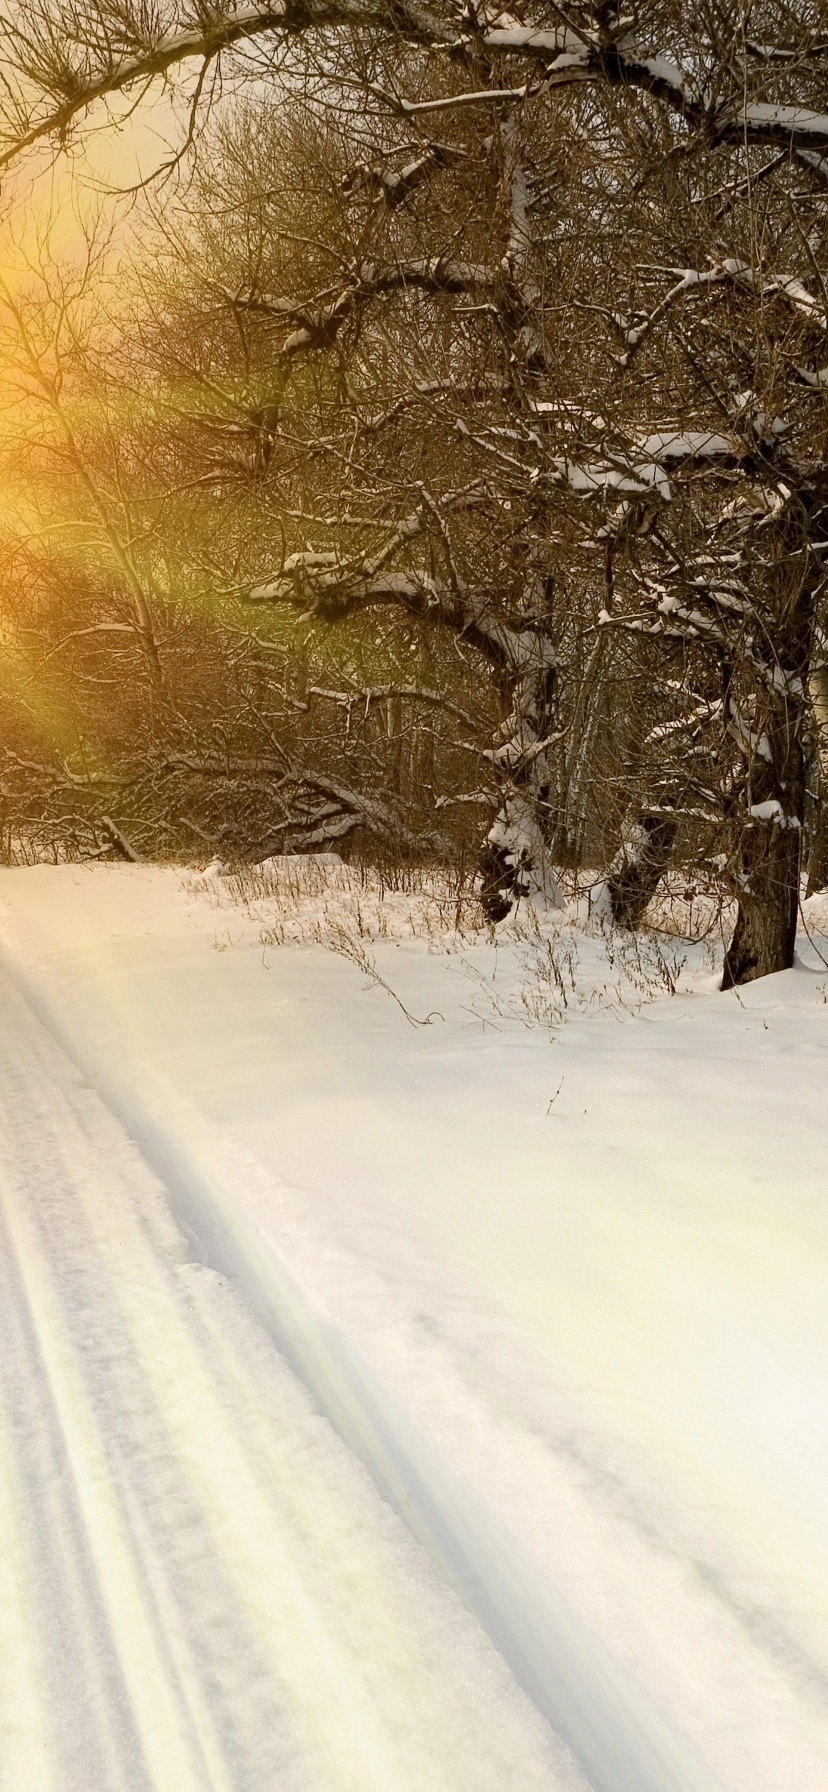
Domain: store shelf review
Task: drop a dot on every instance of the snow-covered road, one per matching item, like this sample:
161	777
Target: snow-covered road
567	1305
200	1590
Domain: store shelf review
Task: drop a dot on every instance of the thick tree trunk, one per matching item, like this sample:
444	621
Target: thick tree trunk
639	866
765	934
765	878
767	714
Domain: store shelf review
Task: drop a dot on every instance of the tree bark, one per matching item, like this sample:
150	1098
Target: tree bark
639	866
515	861
818	853
765	877
818	856
765	934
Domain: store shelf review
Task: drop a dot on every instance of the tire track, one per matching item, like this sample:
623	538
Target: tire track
202	1591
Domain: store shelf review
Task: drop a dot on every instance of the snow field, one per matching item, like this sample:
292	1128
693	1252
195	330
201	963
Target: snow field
200	1587
588	1278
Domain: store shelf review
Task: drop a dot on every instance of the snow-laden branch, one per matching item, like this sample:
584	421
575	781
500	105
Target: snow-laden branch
46	91
730	271
367	697
570	57
792	127
642	471
622	63
392	186
318	327
692	722
725	633
518	259
333	586
484	96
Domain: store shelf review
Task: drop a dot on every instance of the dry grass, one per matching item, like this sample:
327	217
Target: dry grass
299	900
536	969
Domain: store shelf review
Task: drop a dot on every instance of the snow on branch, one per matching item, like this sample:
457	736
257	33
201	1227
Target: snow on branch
622	63
367	697
318	328
392	186
45	92
729	271
314	808
725	634
332	586
693	721
792	127
690	280
493	96
360	809
642	471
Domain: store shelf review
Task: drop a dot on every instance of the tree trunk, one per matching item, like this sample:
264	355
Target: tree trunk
515	865
765	934
818	854
638	867
765	877
515	862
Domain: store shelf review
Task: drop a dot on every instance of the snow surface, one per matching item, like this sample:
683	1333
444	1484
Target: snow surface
199	1587
567	1299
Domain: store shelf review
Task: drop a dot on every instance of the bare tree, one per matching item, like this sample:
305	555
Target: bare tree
633	276
132	688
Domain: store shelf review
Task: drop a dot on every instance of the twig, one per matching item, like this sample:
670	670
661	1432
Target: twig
344	943
556	1094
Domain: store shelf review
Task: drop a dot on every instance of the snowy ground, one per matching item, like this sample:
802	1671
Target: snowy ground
564	1296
